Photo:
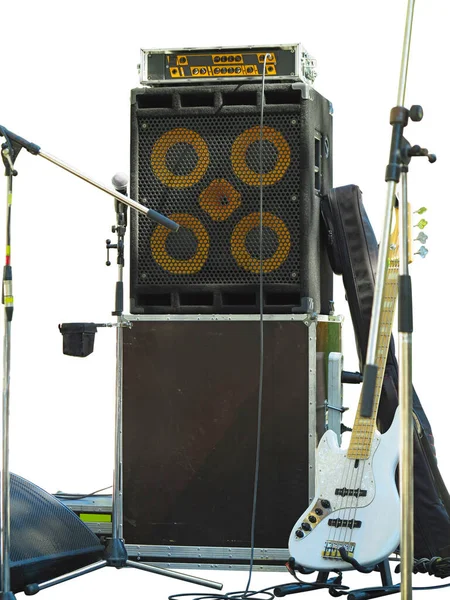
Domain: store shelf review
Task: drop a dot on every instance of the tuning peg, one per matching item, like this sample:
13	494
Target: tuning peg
421	224
422	237
420	211
422	251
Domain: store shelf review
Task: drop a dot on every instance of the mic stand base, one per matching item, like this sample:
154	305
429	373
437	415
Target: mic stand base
115	556
7	596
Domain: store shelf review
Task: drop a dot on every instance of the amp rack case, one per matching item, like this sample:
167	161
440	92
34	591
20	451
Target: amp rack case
190	405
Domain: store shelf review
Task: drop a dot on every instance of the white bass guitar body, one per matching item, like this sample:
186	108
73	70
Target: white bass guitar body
356	506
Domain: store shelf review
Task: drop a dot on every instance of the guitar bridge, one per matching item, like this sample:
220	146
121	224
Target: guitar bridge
331	549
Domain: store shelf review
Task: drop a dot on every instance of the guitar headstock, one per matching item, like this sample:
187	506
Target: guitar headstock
421	236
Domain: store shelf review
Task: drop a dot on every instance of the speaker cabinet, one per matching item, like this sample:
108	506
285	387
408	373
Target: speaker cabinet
199	155
190	408
47	539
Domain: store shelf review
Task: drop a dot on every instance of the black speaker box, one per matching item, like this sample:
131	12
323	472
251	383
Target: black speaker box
200	156
190	414
47	539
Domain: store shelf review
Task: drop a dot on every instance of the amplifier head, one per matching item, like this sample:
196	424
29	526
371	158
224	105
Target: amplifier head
225	64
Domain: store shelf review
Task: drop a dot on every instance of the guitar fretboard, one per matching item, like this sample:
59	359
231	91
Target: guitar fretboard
364	427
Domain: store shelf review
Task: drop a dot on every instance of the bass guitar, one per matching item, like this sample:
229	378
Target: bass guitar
356	509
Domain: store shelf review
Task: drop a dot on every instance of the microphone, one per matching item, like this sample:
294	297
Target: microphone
120	183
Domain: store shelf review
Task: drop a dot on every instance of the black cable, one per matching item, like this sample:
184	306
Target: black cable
247	593
230	596
63	496
261	334
440	567
432	587
242	595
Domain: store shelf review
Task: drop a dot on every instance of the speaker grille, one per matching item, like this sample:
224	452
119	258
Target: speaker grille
47	539
202	168
43	527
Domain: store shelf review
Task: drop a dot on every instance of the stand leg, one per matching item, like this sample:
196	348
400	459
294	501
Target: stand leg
297	588
174	574
385	572
376	592
34	588
117	557
369	593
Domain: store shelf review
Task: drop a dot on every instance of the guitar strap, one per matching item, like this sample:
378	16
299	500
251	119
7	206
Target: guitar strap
353	253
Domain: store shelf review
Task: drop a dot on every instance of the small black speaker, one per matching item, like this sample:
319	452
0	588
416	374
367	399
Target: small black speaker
47	539
199	156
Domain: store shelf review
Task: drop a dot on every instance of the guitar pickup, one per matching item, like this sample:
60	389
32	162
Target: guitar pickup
349	492
350	523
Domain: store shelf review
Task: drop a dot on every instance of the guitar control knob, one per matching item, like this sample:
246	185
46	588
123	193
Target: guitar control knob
319	511
325	503
299	533
306	526
312	519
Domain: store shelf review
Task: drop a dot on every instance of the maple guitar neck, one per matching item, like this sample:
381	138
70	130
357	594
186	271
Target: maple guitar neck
364	427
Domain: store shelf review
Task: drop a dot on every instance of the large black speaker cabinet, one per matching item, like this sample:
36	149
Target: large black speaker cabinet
190	419
199	156
47	539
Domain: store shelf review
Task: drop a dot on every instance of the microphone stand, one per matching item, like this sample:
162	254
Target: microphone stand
400	155
115	551
10	151
36	150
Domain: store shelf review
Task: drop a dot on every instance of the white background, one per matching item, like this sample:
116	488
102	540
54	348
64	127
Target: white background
66	71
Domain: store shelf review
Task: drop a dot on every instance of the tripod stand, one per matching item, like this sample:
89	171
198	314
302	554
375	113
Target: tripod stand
115	554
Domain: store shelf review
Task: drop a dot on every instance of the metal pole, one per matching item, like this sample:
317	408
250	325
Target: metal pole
152	214
5	489
20	142
399	119
5	479
117	497
405	403
390	199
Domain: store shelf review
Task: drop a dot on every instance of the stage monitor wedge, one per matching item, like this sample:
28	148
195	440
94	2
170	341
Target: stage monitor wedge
47	539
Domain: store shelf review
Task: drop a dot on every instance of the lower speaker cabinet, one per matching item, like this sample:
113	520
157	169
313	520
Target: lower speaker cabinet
190	422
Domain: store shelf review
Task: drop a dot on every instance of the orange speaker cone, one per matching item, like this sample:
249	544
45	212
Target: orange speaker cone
179	135
179	266
239	155
239	250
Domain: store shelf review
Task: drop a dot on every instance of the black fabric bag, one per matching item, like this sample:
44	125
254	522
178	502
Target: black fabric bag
353	253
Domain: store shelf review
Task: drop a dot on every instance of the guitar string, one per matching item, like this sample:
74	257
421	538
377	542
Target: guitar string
348	500
333	531
369	427
352	479
383	344
350	504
